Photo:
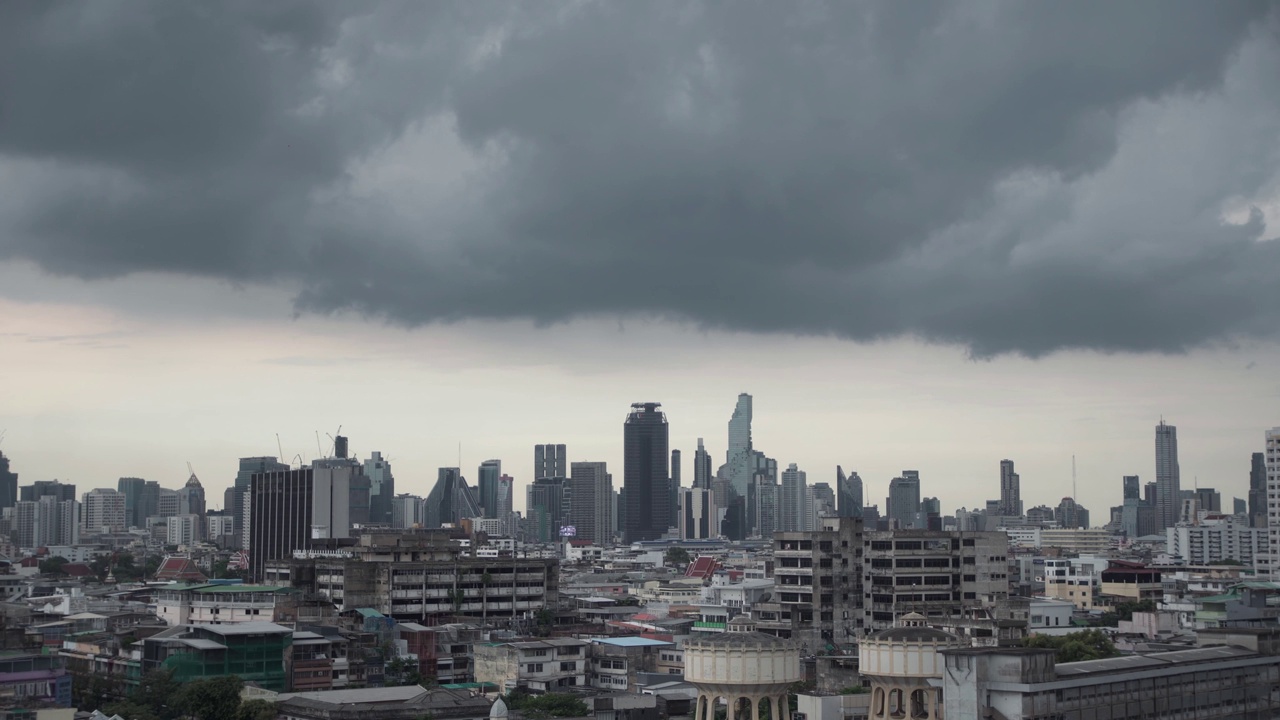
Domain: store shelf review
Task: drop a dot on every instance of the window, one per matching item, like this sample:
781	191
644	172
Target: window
568	666
534	667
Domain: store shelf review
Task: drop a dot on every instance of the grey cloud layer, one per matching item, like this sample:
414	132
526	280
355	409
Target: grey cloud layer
1013	177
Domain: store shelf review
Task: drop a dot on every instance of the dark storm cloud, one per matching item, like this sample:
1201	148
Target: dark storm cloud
1013	177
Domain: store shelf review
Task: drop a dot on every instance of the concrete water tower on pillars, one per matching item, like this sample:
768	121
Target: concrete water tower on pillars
746	668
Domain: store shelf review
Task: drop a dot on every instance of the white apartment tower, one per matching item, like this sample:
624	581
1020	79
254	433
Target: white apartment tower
1273	505
102	511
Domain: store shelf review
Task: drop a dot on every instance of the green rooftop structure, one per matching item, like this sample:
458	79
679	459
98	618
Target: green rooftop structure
257	652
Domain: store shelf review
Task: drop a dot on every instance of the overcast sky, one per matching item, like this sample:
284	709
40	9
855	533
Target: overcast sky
923	235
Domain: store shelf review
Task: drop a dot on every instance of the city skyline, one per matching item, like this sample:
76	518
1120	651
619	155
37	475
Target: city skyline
1098	498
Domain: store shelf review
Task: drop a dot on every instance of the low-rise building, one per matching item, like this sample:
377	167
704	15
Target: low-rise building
34	679
1051	617
616	663
213	604
1207	683
257	652
1076	540
535	665
410	702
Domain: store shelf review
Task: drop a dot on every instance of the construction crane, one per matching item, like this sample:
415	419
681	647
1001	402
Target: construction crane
190	470
279	448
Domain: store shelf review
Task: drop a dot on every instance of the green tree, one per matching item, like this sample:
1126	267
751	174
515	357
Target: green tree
216	698
549	705
155	692
130	710
399	672
677	556
256	710
53	566
1077	646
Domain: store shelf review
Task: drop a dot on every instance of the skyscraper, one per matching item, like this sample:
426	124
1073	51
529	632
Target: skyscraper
1168	483
450	500
590	502
249	466
549	461
506	500
1273	509
1010	490
102	511
674	486
141	500
1258	490
289	508
645	473
1132	487
904	499
702	467
698	514
191	497
848	494
382	488
47	488
545	509
740	427
8	484
46	521
791	509
487	483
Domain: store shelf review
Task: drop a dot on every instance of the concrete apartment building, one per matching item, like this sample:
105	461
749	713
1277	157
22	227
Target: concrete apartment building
537	665
415	576
1234	675
818	589
936	573
217	604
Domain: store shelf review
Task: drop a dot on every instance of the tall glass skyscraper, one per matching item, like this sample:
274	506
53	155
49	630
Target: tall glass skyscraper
646	436
382	488
848	494
549	461
1168	479
904	499
487	482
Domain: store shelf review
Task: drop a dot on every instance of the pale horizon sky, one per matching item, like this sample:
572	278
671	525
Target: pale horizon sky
122	391
924	235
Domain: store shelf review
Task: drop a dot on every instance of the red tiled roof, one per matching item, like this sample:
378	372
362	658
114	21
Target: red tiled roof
704	567
77	570
179	568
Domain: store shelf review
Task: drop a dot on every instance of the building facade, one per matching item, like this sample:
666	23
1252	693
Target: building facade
934	573
645	473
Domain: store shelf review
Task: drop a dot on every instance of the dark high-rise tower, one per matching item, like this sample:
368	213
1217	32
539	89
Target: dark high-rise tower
1168	482
1258	490
239	495
47	488
487	483
280	506
382	488
645	475
549	462
848	494
450	500
8	484
1132	487
702	467
674	489
1010	490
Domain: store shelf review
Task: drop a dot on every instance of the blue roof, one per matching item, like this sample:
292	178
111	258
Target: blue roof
369	612
634	641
